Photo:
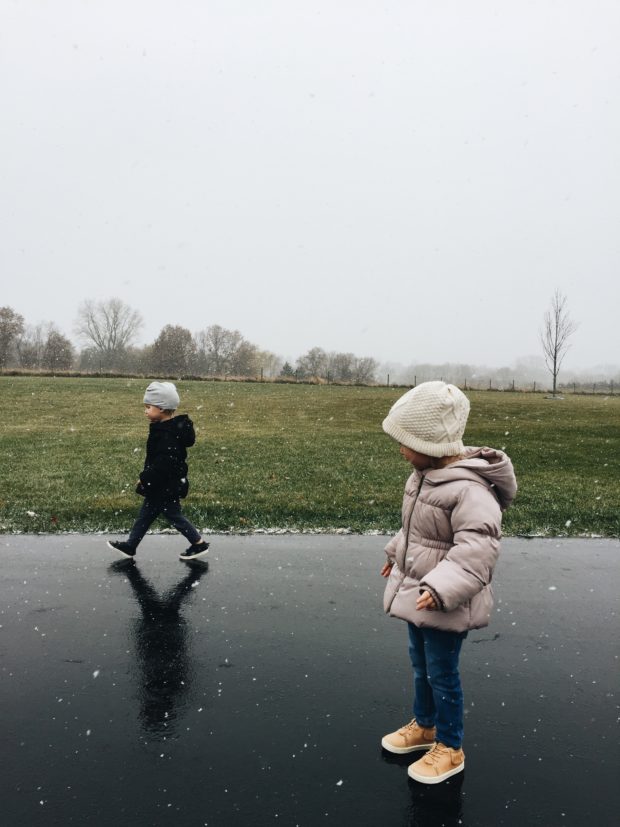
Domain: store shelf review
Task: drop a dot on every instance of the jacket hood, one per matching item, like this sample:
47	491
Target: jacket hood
481	464
181	425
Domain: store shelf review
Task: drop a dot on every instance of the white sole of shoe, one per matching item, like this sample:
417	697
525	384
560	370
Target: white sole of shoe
194	556
404	750
425	779
118	551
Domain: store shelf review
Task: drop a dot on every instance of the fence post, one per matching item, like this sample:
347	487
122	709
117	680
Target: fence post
261	374
415	381
388	380
490	381
534	387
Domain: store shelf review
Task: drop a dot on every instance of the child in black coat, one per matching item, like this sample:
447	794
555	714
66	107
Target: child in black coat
163	481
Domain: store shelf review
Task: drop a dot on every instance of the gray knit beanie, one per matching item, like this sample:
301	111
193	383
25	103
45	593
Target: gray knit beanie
163	395
430	419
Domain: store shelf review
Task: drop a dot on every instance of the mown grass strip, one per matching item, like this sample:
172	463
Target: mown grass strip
287	456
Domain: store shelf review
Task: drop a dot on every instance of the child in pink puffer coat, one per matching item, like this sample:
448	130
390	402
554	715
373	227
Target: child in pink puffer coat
440	564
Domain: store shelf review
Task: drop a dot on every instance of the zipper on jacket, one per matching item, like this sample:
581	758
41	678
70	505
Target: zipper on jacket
401	563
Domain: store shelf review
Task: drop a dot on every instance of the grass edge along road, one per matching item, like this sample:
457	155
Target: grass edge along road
296	457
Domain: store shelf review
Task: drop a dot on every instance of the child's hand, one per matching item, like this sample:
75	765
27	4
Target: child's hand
387	568
426	601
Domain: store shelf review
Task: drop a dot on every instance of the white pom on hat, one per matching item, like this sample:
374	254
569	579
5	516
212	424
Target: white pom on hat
163	395
430	419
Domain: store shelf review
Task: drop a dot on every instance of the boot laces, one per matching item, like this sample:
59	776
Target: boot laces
408	727
436	753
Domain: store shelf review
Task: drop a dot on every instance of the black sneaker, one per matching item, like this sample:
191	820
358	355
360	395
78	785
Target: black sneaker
197	550
123	548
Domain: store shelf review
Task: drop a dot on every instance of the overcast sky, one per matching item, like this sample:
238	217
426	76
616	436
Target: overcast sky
404	180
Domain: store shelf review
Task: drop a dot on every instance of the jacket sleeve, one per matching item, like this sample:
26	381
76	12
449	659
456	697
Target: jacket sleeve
189	434
392	546
468	566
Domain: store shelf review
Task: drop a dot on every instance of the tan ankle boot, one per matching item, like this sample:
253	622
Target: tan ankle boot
437	765
409	738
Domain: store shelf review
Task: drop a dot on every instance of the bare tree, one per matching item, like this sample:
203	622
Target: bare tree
173	351
313	363
244	361
340	366
44	346
216	347
557	329
109	327
364	369
270	362
30	345
11	327
58	352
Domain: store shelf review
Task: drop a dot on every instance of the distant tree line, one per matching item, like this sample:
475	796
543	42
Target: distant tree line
335	367
108	331
41	346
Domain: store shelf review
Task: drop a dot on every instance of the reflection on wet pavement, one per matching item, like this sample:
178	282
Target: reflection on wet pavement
440	805
163	665
256	691
437	806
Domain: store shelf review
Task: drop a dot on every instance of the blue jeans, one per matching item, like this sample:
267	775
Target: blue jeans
438	699
171	511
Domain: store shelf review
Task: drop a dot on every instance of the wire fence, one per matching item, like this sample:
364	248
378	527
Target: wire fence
605	387
602	387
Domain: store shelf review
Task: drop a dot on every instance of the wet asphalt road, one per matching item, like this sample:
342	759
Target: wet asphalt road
254	690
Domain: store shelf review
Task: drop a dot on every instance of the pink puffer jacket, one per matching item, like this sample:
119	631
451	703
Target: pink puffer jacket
450	541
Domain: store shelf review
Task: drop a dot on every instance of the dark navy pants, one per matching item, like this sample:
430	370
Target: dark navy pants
170	510
438	699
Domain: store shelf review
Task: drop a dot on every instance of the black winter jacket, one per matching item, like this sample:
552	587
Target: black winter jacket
164	476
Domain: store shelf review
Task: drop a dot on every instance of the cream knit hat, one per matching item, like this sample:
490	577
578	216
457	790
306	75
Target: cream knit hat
429	419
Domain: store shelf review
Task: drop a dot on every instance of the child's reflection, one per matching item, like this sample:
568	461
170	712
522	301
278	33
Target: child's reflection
438	805
165	670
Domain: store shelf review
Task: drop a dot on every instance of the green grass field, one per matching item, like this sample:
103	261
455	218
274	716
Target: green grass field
288	456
